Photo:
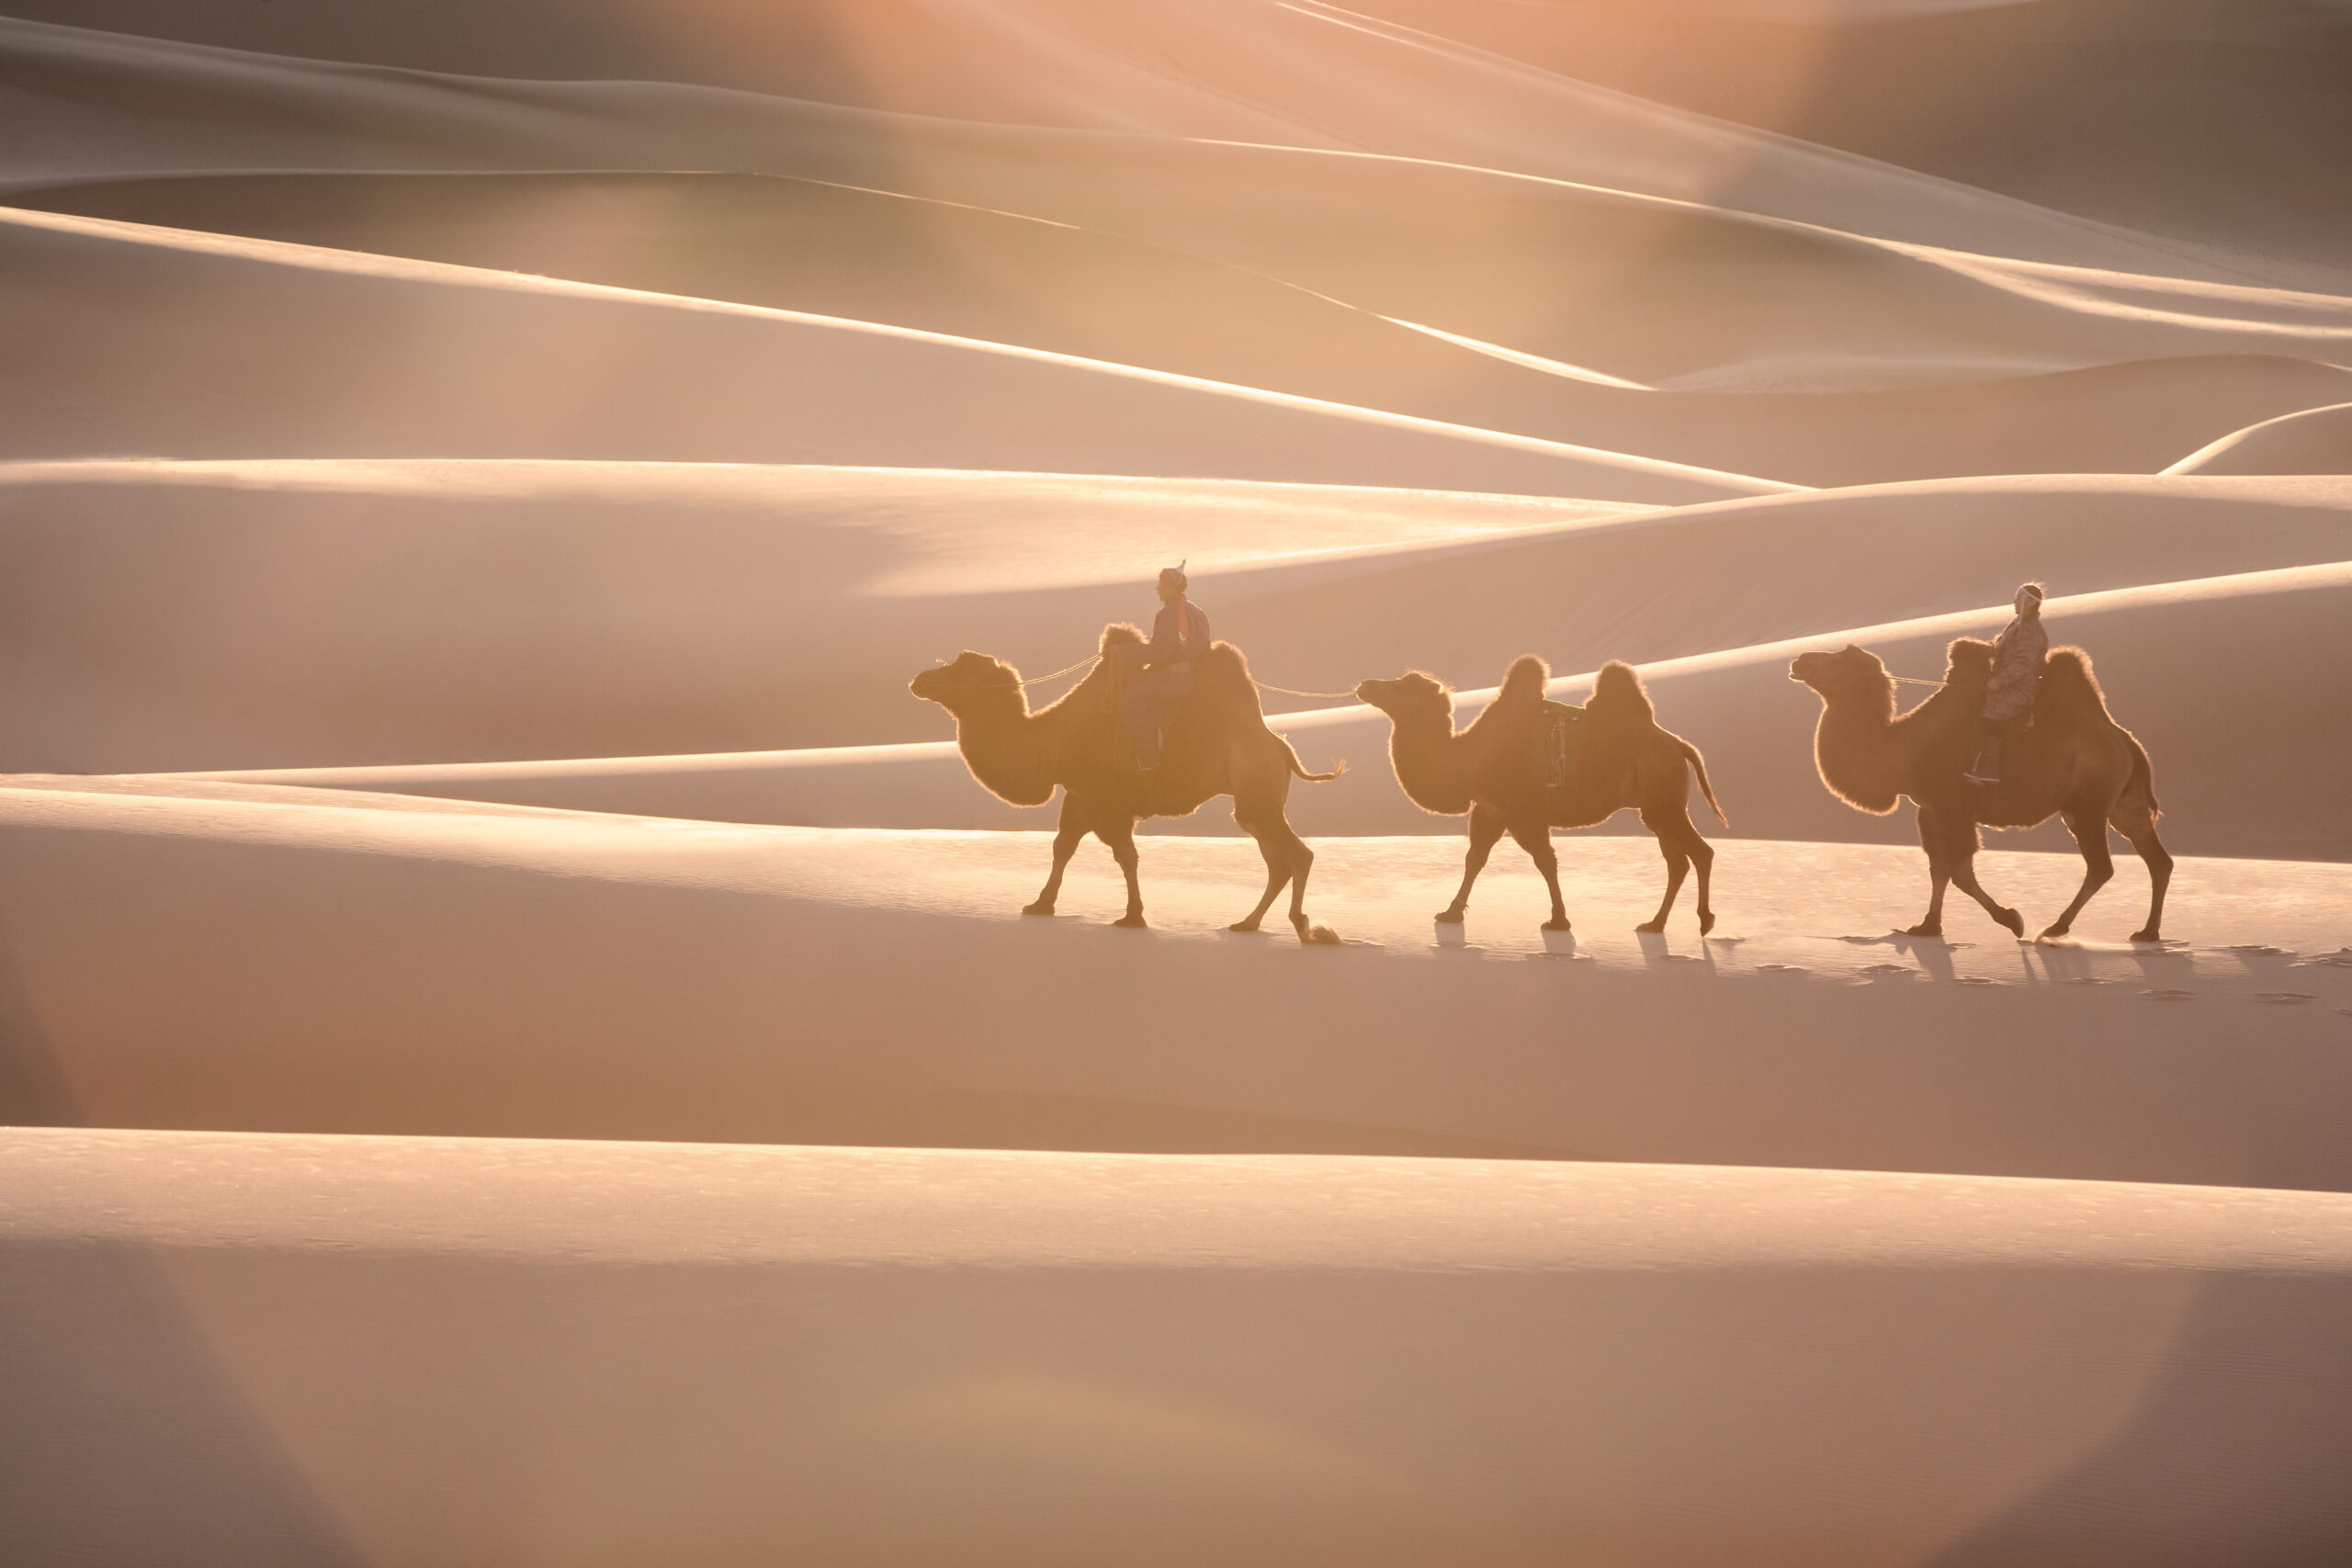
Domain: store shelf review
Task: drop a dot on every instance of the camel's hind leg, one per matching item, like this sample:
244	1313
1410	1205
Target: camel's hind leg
2137	823
1120	835
1536	839
2098	866
1066	837
1684	848
1485	829
1287	858
1931	838
1959	847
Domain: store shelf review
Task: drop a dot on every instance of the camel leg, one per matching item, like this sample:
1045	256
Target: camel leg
1932	834
1536	839
1280	867
1960	858
1702	860
2136	825
1674	832
1071	834
2098	866
1485	829
1302	861
1121	838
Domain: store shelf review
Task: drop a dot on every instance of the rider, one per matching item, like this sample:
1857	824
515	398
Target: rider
1159	672
2009	692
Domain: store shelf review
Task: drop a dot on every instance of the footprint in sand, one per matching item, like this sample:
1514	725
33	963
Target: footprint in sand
2170	995
2258	950
2339	959
1975	980
2082	980
1887	971
2284	999
1782	969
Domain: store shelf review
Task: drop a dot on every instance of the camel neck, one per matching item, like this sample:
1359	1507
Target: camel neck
1434	763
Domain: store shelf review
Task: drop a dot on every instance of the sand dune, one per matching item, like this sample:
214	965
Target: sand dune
342	968
2314	441
1078	1358
805	245
402	614
339	352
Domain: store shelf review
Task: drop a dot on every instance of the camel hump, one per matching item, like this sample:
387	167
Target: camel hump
2069	684
1524	682
1618	694
1116	634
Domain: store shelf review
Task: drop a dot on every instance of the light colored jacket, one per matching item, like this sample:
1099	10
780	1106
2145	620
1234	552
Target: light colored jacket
2016	669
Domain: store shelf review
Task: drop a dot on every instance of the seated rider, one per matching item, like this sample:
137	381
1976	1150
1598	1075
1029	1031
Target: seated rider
2009	692
1157	673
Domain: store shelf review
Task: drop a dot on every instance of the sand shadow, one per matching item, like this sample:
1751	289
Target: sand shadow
2236	1455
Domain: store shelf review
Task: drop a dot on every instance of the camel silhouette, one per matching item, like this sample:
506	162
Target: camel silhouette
1216	743
2075	763
1494	770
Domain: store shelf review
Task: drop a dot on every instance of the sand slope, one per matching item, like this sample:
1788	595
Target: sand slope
410	612
2314	441
521	1352
338	967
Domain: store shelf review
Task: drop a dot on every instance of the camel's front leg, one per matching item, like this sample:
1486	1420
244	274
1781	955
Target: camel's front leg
2098	866
1121	836
1536	839
1071	834
1939	874
1485	829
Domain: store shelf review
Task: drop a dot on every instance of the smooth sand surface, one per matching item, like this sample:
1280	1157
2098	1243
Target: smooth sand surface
315	966
397	1351
517	1040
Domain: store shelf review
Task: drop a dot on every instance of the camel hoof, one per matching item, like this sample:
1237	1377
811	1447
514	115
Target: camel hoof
1130	922
1706	921
1449	916
2147	936
2015	922
1319	936
1558	925
1245	927
1926	928
1651	928
2052	933
1037	908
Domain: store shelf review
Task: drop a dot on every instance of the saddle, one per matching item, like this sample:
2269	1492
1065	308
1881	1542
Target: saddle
1558	737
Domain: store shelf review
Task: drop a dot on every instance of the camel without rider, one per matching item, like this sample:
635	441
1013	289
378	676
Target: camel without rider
2075	764
1494	770
1215	743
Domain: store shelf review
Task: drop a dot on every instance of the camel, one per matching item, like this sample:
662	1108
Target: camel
1494	770
2075	763
1216	743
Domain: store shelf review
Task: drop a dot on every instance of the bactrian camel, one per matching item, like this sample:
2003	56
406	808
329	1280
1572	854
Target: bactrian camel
1494	770
2075	763
1215	743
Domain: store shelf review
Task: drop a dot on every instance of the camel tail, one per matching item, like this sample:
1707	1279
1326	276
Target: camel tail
1699	766
1291	752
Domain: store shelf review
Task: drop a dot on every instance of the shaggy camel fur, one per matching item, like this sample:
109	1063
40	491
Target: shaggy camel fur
1216	743
2075	763
1494	770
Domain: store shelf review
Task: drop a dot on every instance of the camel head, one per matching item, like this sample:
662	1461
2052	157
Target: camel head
1850	674
972	681
1412	697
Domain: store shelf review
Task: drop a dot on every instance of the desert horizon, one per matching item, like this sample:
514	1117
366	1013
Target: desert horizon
1049	781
